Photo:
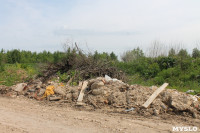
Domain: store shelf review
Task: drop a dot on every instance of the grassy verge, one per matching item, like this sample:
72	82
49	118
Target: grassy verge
192	85
11	74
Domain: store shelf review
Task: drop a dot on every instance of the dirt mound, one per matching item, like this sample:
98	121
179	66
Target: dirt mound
109	94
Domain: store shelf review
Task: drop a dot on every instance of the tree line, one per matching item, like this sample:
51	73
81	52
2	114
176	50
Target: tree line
177	67
22	56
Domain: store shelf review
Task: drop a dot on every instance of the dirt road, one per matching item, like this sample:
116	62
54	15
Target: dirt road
20	115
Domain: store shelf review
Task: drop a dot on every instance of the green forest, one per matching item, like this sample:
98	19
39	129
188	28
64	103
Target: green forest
179	68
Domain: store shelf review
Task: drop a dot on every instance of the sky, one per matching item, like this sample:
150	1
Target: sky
103	25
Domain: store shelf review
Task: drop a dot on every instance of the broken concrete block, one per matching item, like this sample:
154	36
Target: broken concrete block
19	87
69	96
60	90
97	92
97	85
156	112
42	91
75	95
179	105
180	101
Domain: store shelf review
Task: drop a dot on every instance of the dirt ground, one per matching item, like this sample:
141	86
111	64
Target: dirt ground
21	115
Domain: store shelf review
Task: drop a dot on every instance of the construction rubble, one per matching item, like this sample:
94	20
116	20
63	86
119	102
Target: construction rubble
112	95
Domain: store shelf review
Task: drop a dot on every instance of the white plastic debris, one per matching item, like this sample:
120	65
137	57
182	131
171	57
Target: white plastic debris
189	91
194	98
108	79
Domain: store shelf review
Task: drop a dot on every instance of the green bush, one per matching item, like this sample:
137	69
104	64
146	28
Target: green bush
159	80
63	76
166	62
2	68
152	70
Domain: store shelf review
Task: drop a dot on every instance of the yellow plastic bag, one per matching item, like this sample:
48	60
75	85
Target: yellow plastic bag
49	91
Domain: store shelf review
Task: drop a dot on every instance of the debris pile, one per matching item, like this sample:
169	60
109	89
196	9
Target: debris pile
112	95
79	65
4	89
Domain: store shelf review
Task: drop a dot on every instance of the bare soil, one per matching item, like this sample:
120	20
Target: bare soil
21	115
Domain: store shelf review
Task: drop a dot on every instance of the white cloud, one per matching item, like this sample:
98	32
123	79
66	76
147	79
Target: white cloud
106	25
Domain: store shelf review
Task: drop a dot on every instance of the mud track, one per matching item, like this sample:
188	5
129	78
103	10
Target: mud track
21	115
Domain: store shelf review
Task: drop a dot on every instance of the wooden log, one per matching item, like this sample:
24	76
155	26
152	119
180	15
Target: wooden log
154	95
54	98
80	97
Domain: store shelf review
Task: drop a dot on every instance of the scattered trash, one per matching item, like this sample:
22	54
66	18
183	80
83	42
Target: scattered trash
131	109
49	91
108	79
190	91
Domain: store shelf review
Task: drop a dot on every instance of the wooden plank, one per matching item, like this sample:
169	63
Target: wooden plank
154	95
80	97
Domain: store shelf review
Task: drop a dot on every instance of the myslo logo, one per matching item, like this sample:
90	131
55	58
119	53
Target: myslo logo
184	129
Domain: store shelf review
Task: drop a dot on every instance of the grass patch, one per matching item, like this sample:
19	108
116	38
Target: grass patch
183	86
16	73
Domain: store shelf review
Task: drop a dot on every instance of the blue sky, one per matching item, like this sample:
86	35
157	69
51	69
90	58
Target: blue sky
103	25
